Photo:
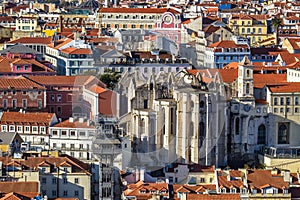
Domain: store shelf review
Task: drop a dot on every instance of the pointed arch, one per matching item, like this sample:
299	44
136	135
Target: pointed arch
261	134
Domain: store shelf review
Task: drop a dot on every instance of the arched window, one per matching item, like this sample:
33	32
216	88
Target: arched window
247	88
237	126
248	73
201	133
283	135
261	135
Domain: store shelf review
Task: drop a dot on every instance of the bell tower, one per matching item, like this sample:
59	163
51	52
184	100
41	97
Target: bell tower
245	78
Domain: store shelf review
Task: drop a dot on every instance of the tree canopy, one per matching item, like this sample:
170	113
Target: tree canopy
110	78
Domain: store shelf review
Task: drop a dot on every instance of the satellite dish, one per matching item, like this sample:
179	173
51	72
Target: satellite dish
188	78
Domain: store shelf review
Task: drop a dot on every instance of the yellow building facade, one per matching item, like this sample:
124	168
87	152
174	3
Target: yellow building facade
253	27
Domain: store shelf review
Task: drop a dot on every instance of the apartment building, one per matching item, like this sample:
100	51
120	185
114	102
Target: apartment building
76	95
20	93
58	177
39	44
254	27
221	53
17	64
166	21
74	137
32	127
70	56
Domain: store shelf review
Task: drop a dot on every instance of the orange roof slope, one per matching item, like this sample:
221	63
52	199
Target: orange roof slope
19	83
7	187
75	124
263	178
228	44
285	87
260	80
32	40
18	117
66	80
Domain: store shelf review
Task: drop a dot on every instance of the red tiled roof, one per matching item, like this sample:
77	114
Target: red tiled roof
228	75
7	187
200	168
260	80
97	89
66	80
34	162
138	10
235	173
223	182
260	178
285	87
18	117
228	44
32	40
72	50
18	83
192	188
134	189
75	124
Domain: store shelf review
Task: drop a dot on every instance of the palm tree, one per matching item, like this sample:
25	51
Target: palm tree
276	23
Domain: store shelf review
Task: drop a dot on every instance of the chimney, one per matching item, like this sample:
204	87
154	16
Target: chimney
71	119
286	176
81	120
142	174
88	122
137	175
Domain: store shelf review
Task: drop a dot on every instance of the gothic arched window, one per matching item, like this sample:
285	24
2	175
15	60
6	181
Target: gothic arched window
283	134
201	133
247	88
261	135
237	126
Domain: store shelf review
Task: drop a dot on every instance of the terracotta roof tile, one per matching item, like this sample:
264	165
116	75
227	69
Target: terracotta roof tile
76	124
260	178
235	173
228	75
32	40
285	87
97	89
35	162
17	117
228	44
7	187
72	50
66	80
18	83
260	80
224	182
10	196
134	189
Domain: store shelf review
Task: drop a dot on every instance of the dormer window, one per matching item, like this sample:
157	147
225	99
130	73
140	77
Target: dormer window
285	191
163	191
223	190
233	190
143	191
244	190
152	191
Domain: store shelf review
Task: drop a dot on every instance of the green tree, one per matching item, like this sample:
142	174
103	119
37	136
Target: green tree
110	78
276	23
